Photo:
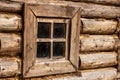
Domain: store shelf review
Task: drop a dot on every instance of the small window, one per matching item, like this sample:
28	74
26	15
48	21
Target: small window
51	40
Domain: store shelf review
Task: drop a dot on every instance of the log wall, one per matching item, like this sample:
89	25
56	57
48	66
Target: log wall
99	39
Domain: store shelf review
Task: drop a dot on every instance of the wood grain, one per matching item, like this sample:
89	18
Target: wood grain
93	60
93	74
45	10
97	42
13	78
10	22
10	44
90	10
118	44
74	41
107	2
98	26
10	6
42	68
29	40
10	66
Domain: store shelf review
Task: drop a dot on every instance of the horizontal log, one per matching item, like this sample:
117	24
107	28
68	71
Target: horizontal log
10	66
97	42
90	60
111	2
90	10
10	6
10	22
100	74
94	74
10	42
98	26
13	78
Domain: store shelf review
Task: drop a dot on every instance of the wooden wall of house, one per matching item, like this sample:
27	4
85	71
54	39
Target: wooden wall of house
99	39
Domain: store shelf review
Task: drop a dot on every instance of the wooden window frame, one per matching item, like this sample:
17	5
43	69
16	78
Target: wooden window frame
33	66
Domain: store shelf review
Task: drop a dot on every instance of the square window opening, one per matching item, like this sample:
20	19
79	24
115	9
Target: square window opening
43	30
58	49
59	30
43	49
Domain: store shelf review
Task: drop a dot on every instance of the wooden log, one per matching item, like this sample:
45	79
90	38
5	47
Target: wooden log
98	26
13	78
90	60
97	42
10	22
10	66
10	6
10	42
100	74
111	2
94	74
90	10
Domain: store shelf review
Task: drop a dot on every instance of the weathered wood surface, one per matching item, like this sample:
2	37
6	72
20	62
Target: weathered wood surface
118	76
10	66
90	60
95	74
98	26
119	45
88	10
10	42
111	2
45	10
13	78
10	6
10	22
74	41
97	42
30	46
41	68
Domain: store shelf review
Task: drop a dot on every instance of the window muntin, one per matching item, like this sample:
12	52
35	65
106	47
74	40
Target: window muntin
55	32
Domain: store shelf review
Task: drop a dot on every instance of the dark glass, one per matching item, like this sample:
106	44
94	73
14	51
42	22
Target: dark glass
59	30
58	49
43	49
43	30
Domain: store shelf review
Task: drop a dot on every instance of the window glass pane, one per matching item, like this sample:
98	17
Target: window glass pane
43	30
43	49
59	30
58	49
